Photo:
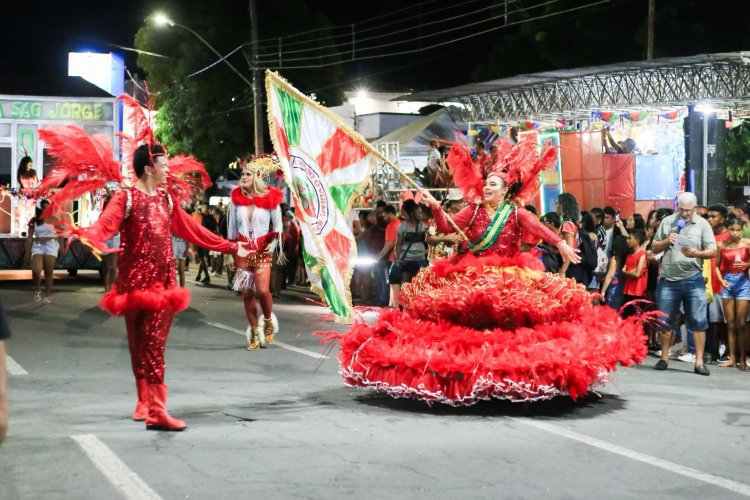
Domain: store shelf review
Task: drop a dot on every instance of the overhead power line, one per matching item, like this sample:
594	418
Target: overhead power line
349	28
267	63
441	44
358	48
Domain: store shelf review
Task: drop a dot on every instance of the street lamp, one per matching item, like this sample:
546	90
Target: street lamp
160	19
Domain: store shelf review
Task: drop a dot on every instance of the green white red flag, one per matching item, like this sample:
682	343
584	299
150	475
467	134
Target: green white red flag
326	164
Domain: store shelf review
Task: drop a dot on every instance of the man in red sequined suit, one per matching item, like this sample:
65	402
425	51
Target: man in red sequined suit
146	292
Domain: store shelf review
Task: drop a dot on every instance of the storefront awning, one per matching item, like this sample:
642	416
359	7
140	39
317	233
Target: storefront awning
720	81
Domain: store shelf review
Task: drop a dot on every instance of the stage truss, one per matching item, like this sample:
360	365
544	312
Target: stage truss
717	81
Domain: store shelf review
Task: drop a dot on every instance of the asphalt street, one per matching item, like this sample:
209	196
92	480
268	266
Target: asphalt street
278	423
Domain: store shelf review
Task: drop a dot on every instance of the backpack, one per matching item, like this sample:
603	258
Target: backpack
589	256
584	271
550	257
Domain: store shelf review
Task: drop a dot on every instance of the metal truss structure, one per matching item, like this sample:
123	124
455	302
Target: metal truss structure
718	81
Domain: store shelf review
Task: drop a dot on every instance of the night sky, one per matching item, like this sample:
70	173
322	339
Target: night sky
37	35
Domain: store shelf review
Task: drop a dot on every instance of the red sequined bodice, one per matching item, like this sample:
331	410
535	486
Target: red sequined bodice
146	240
508	242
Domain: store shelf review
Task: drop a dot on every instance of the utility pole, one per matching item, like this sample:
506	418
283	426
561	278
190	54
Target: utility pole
253	63
650	40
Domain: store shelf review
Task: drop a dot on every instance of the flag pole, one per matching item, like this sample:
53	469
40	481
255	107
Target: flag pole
418	188
279	80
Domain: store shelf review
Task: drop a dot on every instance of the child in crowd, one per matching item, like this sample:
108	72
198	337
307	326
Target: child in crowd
635	270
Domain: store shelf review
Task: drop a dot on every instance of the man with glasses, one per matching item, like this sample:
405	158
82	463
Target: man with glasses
687	239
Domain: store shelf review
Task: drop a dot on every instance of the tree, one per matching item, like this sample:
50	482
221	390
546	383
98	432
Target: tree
738	153
206	110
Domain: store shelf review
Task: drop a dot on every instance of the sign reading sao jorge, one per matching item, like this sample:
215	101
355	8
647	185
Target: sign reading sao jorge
85	111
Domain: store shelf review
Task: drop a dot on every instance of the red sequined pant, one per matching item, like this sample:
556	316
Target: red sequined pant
147	338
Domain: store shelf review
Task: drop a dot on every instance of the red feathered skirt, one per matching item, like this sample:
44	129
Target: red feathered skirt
492	327
157	298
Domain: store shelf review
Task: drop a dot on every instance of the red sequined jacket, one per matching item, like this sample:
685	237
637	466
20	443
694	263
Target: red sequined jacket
145	267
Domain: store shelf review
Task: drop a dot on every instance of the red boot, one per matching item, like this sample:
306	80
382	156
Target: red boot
141	407
158	418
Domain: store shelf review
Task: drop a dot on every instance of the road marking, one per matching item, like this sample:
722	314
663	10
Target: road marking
734	486
14	368
288	347
122	478
283	345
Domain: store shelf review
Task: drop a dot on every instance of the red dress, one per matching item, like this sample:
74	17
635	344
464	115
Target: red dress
146	292
636	287
492	325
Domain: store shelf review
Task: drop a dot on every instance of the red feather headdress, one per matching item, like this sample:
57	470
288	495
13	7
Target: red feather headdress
519	165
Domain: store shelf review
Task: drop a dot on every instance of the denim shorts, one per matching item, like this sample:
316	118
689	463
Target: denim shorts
688	292
739	287
178	248
50	247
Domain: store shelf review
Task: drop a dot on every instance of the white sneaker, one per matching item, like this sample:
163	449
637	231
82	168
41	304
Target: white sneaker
47	299
676	353
37	296
686	358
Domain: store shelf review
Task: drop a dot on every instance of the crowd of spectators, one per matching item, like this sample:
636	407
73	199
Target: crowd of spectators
638	263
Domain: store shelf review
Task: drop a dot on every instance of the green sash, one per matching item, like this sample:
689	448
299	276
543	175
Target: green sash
493	230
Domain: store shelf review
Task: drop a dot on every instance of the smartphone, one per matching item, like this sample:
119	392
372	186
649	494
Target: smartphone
617	215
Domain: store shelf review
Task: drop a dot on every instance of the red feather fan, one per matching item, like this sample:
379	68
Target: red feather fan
84	163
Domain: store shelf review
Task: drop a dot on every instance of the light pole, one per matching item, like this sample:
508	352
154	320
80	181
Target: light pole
163	20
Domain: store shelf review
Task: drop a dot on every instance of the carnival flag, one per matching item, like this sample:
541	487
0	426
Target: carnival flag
326	164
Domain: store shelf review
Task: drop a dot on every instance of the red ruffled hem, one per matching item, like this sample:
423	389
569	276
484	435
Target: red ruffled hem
478	332
155	299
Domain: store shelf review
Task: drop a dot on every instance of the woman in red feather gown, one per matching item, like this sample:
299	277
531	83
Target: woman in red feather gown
490	323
